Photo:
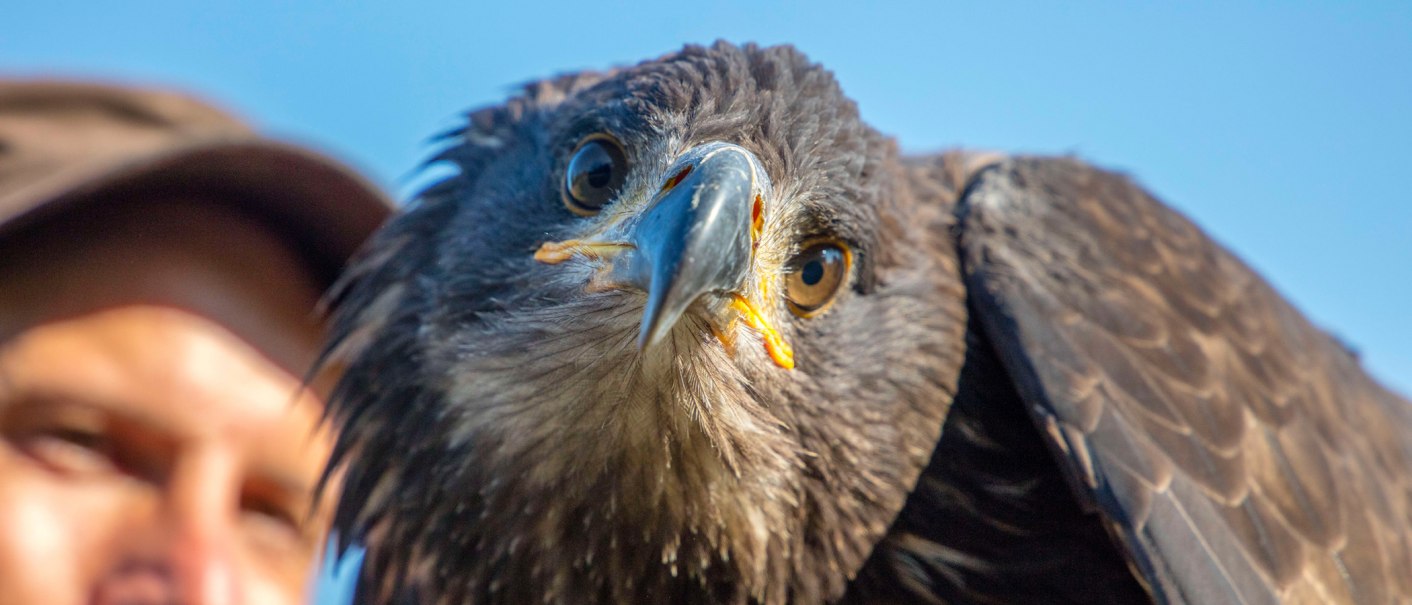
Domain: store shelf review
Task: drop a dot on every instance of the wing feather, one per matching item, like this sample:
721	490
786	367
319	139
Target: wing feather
1242	454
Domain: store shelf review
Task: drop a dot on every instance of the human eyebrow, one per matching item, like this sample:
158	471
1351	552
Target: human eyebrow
41	399
284	482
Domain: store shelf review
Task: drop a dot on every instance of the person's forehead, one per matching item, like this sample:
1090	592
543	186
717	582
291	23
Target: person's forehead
171	370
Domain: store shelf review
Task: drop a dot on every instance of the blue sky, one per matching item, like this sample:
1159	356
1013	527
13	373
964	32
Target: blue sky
1285	133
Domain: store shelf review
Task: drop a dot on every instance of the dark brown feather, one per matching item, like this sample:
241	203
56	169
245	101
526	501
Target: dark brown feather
1244	454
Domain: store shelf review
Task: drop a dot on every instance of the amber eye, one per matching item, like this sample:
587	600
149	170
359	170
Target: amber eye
816	275
595	174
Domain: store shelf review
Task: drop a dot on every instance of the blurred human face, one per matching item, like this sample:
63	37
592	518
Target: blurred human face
155	445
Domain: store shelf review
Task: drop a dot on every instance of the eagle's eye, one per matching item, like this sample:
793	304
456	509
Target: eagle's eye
816	275
595	174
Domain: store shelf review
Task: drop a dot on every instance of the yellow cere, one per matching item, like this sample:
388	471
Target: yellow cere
775	345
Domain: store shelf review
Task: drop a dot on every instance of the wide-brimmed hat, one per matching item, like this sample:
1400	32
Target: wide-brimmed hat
65	144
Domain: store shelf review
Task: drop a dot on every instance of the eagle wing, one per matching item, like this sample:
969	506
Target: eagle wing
1240	453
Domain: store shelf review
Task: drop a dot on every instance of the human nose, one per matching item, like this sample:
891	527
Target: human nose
180	544
202	551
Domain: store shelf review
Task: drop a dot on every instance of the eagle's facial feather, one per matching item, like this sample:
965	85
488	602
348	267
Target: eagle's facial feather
536	453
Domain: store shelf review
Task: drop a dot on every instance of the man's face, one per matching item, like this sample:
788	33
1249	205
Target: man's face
155	446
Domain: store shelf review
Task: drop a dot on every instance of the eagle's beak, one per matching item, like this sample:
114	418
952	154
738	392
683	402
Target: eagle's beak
695	237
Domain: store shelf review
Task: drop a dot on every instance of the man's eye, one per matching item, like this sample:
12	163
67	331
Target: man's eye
69	450
274	523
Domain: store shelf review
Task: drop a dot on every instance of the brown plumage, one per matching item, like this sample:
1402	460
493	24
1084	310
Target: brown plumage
1036	383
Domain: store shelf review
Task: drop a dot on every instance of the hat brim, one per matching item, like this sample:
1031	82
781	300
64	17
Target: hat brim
324	209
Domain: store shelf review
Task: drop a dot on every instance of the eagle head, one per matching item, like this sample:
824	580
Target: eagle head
672	333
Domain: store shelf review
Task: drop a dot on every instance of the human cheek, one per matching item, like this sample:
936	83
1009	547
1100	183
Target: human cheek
55	535
265	589
276	557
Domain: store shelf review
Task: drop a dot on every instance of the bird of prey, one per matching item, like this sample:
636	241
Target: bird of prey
691	332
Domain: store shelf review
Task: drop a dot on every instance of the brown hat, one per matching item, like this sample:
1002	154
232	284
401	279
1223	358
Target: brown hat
63	145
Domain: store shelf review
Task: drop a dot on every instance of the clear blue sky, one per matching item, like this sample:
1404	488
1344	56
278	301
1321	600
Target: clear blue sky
1284	133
